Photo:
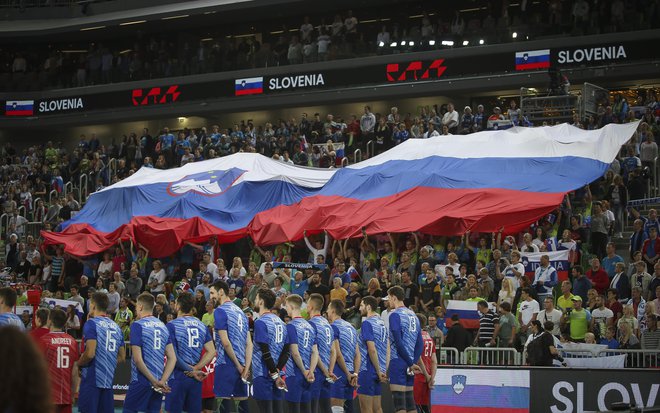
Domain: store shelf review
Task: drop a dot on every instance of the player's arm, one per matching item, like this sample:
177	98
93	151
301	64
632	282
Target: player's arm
284	356
315	360
229	349
357	362
75	378
248	356
169	366
373	355
397	338
89	353
295	355
209	353
142	368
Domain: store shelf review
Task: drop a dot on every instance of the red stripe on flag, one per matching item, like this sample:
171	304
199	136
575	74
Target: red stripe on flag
20	113
535	65
457	409
249	92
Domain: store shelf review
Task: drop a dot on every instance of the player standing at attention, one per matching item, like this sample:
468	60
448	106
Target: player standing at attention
425	377
323	377
150	343
407	345
346	359
270	354
104	349
61	352
375	353
7	304
189	337
234	346
304	357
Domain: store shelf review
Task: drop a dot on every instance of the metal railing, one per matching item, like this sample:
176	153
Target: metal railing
33	228
4	224
355	156
68	187
635	358
50	196
22	211
370	145
34	203
112	169
448	355
344	162
491	356
83	183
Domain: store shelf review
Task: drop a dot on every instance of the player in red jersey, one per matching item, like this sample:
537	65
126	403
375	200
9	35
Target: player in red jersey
61	354
425	374
208	397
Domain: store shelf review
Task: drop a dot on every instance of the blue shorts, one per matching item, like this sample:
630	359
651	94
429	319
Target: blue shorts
341	389
300	390
398	373
320	387
141	397
369	383
92	399
186	395
264	388
228	383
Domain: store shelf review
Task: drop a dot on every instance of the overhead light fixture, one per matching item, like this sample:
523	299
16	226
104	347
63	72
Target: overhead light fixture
277	32
84	29
393	44
181	119
133	22
126	51
411	44
447	42
403	42
181	16
466	42
526	37
431	42
416	16
381	43
369	21
481	41
210	12
206	39
74	51
514	35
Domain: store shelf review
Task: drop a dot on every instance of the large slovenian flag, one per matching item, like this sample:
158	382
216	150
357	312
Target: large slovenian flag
480	391
533	59
444	185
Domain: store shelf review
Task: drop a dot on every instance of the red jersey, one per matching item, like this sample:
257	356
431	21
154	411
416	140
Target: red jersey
61	352
37	333
207	384
428	351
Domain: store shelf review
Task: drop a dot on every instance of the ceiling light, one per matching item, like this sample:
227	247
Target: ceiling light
84	29
481	41
514	35
133	22
466	42
181	16
432	42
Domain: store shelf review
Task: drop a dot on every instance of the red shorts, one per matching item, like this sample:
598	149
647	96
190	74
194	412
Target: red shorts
421	391
63	408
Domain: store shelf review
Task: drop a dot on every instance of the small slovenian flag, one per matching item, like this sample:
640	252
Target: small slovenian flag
533	59
19	108
249	86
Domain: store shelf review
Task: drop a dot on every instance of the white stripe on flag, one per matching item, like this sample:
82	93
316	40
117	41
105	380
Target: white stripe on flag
250	80
531	53
20	102
483	377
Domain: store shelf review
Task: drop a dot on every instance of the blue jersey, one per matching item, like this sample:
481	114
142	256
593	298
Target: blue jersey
373	329
188	336
268	329
347	336
324	338
11	319
100	372
231	318
300	332
151	335
405	332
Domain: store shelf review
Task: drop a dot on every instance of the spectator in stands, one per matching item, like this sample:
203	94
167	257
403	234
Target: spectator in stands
457	337
628	319
610	338
545	278
541	351
507	326
599	230
638	237
451	119
610	260
627	338
581	284
550	313
527	312
528	245
638	303
598	277
620	281
651	337
601	317
578	319
651	247
641	279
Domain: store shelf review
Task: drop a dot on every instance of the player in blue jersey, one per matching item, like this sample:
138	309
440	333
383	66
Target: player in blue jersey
104	349
346	359
375	356
407	345
234	347
304	358
150	343
7	304
271	352
323	376
189	336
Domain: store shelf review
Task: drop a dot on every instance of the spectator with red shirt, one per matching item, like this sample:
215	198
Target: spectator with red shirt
651	247
598	276
40	328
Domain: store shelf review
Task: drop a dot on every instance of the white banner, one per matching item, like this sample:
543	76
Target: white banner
605	362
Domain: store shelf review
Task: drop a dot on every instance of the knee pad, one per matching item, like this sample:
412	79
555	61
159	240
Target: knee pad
399	400
410	401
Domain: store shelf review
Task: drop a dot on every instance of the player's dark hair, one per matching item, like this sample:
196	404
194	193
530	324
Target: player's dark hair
221	286
42	316
295	300
57	318
318	301
423	321
8	296
29	387
371	301
337	306
147	301
268	297
100	301
397	291
186	302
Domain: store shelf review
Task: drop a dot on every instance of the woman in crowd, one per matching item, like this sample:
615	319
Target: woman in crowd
628	320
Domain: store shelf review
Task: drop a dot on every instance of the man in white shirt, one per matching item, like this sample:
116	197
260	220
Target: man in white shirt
450	119
528	245
211	268
515	270
545	278
601	316
550	313
431	132
318	248
529	309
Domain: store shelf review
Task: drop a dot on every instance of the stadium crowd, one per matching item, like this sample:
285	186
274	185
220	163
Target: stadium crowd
315	38
620	295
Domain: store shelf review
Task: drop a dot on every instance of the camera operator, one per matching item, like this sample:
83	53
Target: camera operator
541	348
578	320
